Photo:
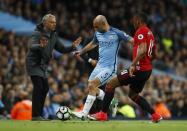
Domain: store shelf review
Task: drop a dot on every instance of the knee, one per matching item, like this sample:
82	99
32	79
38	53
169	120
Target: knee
109	87
92	86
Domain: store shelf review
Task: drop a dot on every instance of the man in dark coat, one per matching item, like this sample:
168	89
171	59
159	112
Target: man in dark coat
43	40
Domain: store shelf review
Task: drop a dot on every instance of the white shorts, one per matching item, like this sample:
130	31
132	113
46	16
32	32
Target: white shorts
103	74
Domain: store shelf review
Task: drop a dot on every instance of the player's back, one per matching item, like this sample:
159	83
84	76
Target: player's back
144	35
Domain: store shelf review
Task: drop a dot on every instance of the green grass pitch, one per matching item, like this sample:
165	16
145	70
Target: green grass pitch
75	125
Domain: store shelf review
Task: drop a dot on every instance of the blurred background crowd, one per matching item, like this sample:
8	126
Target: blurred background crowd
68	77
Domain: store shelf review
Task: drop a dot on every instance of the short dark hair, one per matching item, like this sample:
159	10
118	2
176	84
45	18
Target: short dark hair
142	16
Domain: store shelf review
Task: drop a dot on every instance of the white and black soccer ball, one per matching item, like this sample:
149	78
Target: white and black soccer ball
63	113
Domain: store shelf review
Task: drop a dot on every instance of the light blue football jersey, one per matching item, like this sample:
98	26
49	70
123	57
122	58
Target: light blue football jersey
108	43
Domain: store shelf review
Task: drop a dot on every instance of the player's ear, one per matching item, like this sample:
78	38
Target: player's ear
139	22
103	23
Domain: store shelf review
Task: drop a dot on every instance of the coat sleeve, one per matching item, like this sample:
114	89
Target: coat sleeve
59	46
34	41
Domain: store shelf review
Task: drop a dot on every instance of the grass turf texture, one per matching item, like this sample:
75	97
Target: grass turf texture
76	125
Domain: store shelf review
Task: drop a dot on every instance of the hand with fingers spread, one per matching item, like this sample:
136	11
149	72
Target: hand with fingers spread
77	42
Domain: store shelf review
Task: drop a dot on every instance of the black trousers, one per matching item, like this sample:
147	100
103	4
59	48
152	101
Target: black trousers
40	90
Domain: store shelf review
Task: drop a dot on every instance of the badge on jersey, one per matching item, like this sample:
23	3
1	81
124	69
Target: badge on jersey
140	36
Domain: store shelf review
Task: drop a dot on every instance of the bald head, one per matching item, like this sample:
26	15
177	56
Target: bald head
49	22
100	19
100	24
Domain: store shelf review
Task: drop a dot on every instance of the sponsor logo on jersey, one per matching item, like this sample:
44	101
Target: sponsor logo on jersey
111	37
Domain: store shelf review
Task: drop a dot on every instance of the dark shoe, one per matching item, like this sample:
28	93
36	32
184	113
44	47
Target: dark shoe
39	118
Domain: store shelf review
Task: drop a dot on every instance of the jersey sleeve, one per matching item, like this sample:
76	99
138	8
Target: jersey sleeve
123	36
95	40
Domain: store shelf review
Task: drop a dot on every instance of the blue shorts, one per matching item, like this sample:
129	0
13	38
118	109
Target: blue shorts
103	73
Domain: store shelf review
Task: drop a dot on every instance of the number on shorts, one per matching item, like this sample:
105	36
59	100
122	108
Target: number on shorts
104	76
124	72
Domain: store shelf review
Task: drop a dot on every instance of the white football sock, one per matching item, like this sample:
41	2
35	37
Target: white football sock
88	104
101	94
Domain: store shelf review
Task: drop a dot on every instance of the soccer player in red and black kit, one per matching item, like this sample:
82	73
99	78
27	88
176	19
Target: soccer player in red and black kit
144	51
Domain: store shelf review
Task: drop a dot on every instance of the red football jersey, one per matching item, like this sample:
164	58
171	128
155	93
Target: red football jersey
143	35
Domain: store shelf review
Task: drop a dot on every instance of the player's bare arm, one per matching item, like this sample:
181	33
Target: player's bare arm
141	53
87	48
155	52
131	41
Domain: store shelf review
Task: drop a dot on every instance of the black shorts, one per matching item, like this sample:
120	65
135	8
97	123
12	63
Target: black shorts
136	82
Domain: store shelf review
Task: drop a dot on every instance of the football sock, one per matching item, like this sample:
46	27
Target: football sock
109	94
88	104
101	94
143	104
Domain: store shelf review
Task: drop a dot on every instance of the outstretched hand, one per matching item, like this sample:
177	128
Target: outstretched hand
77	42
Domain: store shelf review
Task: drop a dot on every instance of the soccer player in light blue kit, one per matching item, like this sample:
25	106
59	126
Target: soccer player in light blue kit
108	40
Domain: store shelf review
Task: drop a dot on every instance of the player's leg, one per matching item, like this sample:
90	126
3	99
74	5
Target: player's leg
122	78
142	102
97	72
109	94
93	89
95	81
93	84
97	106
134	95
100	93
135	88
104	74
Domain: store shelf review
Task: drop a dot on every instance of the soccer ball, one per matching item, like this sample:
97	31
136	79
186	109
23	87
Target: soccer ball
63	113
